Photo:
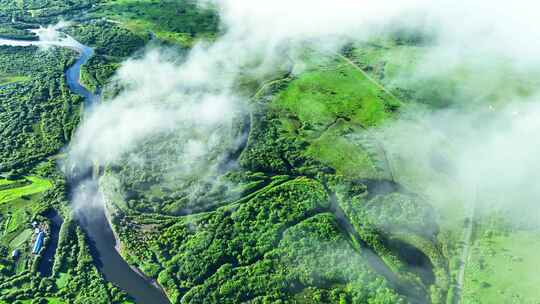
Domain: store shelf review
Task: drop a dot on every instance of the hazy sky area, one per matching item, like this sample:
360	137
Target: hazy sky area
491	144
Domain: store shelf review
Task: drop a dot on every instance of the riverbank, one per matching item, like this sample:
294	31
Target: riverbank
110	210
46	261
103	242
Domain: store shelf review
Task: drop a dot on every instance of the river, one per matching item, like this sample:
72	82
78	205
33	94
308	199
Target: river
93	221
103	247
47	259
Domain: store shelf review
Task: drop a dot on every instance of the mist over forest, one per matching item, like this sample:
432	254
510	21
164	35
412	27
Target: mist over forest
220	151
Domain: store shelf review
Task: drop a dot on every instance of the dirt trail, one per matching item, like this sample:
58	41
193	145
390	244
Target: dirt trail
375	82
465	253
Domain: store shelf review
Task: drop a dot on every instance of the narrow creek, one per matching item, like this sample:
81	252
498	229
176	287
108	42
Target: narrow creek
93	220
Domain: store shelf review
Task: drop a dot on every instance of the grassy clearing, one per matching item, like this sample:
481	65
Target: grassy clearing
8	79
331	103
37	185
5	182
62	280
175	21
347	158
19	203
20	239
504	269
322	95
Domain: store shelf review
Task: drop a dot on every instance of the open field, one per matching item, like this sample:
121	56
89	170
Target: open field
179	22
17	206
337	90
8	79
37	185
504	269
331	100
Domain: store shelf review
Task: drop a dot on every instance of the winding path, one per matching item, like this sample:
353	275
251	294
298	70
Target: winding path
465	253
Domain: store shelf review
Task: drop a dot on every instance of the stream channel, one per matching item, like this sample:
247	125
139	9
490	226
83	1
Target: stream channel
103	243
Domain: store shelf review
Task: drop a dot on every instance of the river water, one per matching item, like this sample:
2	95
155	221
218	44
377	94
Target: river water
47	259
102	244
93	219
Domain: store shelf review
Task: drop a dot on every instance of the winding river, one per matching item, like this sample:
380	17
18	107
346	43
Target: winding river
103	243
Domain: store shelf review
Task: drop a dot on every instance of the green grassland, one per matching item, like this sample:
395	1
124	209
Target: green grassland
9	79
324	93
329	101
503	269
179	22
406	70
37	185
20	204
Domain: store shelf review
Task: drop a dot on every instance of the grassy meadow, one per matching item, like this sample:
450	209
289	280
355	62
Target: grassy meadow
178	22
9	79
504	269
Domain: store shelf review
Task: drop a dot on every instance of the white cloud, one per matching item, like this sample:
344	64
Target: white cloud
197	96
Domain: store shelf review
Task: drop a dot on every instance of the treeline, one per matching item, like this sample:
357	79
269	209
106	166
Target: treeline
73	259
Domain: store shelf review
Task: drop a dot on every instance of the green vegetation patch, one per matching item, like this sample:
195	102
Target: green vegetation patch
324	114
503	269
20	239
37	185
283	244
324	94
38	115
175	21
62	280
341	153
9	79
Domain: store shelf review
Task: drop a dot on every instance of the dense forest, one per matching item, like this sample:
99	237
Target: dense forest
295	221
38	113
300	202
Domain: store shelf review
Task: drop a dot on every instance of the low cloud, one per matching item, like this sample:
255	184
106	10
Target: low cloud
196	98
157	99
52	32
487	158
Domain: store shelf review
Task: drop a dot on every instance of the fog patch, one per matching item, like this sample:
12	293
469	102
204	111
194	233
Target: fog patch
489	156
196	100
